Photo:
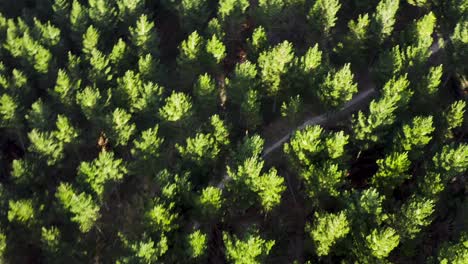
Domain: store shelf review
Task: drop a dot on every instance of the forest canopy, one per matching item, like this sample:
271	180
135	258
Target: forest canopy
233	131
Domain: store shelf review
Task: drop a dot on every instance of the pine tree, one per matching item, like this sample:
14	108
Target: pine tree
323	180
103	14
144	250
274	64
393	171
144	37
338	87
322	16
415	215
305	144
357	41
454	117
372	128
455	253
268	186
250	110
79	19
84	210
232	9
191	52
216	49
61	10
460	50
201	149
178	107
21	211
415	135
102	171
205	94
451	160
193	13
383	20
251	249
327	230
307	71
50	238
243	79
258	42
147	147
197	244
130	10
292	109
9	112
90	101
121	127
210	201
382	242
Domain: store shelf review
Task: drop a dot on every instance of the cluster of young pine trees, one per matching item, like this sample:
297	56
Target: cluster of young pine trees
135	131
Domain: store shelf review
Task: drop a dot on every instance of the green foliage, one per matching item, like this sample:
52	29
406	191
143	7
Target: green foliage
216	49
274	64
323	179
244	77
451	160
259	41
145	250
147	146
232	8
249	250
267	186
308	69
162	218
327	230
392	171
384	19
102	171
178	106
338	87
50	237
415	135
84	210
292	109
431	83
52	144
211	200
78	19
454	116
200	148
122	129
90	40
205	93
144	37
193	13
456	253
103	13
9	116
21	211
322	16
250	109
197	244
415	215
191	52
460	43
381	115
357	40
382	242
305	144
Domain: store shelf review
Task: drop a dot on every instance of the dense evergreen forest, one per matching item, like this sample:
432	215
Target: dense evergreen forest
233	131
